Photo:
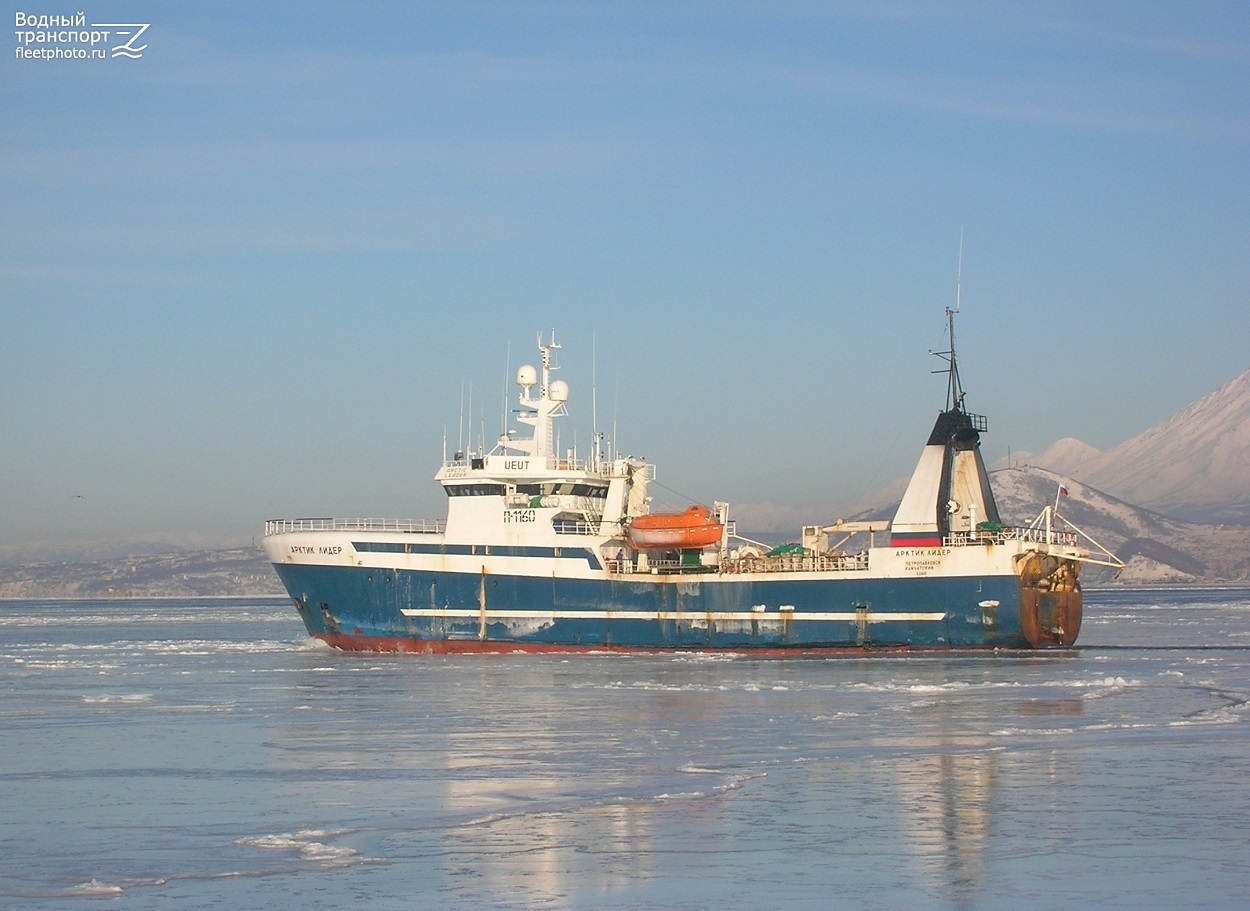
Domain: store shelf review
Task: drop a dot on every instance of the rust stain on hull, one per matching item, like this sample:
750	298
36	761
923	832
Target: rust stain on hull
1050	600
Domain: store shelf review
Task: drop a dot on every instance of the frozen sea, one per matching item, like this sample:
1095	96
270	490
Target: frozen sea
207	754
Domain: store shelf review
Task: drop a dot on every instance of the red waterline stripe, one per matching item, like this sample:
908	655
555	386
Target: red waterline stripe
499	647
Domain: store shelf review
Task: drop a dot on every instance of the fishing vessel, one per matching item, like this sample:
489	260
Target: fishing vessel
543	551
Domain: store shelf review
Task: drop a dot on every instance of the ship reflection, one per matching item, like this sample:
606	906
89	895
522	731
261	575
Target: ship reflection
953	799
947	802
489	789
604	782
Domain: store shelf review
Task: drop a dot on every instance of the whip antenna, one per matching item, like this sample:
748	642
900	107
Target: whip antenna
959	272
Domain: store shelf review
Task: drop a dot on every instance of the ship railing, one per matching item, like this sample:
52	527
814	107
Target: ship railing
577	465
782	563
675	567
798	563
1010	533
1042	536
574	527
405	526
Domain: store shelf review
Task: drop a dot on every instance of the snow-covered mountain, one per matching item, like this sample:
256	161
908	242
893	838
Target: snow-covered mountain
1065	457
1173	502
1164	500
1193	466
1156	547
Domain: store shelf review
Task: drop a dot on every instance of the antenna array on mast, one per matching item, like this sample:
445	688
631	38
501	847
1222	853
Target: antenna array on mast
954	388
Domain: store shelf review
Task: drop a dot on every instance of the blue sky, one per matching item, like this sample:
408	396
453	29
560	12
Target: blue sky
254	272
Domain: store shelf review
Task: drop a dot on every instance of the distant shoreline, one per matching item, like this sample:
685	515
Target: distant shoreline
6	599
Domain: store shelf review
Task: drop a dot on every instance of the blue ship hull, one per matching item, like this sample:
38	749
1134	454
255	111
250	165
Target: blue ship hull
403	610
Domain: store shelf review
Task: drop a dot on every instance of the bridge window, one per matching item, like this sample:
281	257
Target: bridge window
475	490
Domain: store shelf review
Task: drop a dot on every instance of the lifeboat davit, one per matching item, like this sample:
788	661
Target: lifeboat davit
696	527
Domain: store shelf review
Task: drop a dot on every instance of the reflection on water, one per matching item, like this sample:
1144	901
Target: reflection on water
946	804
584	777
225	761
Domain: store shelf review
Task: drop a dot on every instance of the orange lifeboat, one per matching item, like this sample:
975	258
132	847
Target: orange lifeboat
696	527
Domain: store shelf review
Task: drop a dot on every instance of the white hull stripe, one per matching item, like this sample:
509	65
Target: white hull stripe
675	616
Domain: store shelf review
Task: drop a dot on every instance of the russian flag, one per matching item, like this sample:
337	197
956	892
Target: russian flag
1063	490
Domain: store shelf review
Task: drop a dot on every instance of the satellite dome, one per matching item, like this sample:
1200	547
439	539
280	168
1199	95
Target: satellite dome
559	391
526	376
